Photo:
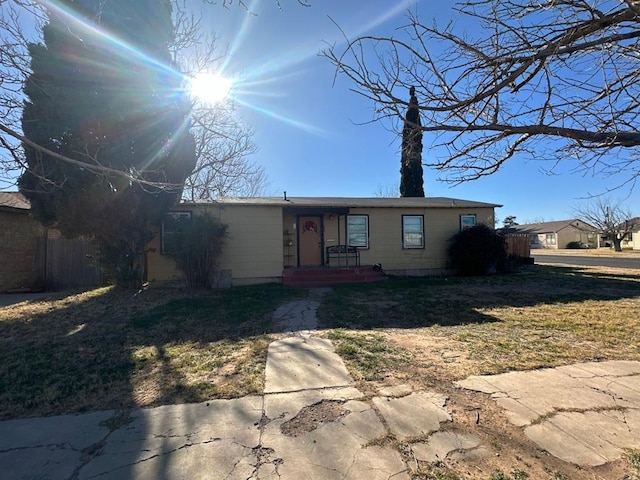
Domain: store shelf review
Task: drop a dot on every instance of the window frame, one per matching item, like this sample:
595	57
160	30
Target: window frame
348	228
468	215
163	230
405	246
550	239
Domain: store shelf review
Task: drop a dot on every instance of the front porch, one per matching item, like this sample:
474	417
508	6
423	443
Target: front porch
307	277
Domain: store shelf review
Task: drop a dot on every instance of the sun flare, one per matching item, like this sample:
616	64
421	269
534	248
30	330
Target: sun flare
210	88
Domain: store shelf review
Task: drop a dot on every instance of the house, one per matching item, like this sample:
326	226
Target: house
270	236
633	240
19	237
33	257
558	234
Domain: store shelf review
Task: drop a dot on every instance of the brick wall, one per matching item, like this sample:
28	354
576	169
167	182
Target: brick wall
19	235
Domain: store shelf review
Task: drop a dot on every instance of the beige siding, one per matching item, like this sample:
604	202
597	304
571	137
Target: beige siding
385	237
253	251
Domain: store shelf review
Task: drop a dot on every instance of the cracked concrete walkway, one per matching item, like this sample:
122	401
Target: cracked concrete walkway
312	423
586	414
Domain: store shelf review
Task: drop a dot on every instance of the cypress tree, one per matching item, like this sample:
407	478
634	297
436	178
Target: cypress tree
104	91
411	182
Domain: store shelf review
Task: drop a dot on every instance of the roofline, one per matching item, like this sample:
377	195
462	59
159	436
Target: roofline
354	202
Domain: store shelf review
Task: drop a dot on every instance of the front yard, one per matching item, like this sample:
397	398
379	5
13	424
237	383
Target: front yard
107	348
113	349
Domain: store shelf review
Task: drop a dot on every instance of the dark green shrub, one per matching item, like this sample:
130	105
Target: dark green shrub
478	250
196	247
575	245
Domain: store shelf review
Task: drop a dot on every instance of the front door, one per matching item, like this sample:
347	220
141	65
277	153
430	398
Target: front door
310	241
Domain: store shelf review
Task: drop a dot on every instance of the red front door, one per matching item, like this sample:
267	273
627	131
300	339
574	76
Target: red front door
310	241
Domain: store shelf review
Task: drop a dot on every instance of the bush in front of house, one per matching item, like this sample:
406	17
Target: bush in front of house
575	245
197	245
477	250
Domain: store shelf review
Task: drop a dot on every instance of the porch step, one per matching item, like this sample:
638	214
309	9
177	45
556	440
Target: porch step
324	277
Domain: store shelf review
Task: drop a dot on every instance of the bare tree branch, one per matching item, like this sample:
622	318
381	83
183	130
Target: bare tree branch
557	78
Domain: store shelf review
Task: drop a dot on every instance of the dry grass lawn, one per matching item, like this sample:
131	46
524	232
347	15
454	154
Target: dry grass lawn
109	348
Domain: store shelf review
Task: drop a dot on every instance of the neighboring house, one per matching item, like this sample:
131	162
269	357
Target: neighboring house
633	241
33	257
268	235
19	237
558	234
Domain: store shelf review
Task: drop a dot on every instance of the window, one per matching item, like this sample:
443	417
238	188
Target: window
171	225
358	231
467	221
550	239
412	231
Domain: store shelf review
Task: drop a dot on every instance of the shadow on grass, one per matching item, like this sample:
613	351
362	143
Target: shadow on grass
111	349
424	302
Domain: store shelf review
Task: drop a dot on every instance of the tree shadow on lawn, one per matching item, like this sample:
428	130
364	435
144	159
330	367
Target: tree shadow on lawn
111	349
450	301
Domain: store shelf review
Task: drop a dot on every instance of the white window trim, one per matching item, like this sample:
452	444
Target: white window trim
411	247
469	215
366	217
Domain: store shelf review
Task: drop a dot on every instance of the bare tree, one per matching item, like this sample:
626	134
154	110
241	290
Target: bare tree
14	69
557	79
389	190
223	168
223	141
20	22
611	218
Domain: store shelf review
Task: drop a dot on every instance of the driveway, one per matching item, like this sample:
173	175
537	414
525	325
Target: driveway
7	299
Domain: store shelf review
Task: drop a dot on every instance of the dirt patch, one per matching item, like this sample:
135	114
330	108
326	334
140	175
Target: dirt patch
312	416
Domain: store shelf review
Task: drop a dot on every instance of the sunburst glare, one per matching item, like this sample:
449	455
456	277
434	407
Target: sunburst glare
210	88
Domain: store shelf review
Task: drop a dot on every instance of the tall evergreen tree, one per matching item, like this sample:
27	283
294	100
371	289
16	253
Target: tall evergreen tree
104	91
411	182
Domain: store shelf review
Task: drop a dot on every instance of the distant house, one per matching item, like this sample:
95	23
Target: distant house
558	234
270	237
633	241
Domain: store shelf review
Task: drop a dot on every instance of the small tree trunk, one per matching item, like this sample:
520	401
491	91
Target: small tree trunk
617	244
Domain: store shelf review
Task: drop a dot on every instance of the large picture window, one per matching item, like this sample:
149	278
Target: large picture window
358	231
467	221
171	225
412	231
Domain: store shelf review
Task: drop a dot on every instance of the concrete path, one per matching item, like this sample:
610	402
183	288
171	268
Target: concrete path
586	414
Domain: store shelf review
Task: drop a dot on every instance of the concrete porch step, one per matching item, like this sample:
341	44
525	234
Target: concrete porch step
322	277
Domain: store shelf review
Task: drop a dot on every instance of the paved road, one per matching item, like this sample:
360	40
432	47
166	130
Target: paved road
7	299
581	260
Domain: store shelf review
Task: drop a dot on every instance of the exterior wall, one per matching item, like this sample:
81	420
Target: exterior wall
19	237
385	236
544	240
573	234
636	240
253	252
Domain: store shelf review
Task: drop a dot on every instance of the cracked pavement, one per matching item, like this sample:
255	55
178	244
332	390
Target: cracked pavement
313	423
586	414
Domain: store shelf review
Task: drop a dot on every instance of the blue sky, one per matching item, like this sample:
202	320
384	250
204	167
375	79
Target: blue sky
307	127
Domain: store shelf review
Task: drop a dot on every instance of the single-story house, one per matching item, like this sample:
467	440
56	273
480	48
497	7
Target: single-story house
633	240
268	235
558	234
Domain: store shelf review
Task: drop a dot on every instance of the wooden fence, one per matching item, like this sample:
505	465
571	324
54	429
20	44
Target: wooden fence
518	245
69	263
